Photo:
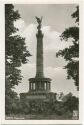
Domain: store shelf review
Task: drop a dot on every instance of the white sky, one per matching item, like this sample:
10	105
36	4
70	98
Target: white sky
55	19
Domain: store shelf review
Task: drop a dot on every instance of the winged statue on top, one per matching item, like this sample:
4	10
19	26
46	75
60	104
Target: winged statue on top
39	21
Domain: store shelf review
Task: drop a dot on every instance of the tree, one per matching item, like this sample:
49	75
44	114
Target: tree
15	55
71	102
71	54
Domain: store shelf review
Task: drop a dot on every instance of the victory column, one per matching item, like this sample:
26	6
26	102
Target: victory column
39	87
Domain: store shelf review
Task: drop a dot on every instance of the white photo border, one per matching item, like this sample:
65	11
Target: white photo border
2	63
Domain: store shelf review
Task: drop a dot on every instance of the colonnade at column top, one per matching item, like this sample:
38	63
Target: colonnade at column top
39	86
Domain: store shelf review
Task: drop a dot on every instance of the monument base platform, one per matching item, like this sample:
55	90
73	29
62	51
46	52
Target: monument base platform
44	96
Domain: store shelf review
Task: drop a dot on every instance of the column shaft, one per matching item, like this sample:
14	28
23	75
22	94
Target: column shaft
39	59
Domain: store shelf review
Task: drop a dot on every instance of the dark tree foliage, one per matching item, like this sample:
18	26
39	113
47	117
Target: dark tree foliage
63	108
71	54
15	55
76	15
71	102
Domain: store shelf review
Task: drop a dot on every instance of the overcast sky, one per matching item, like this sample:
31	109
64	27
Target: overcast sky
55	19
